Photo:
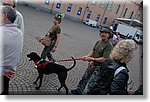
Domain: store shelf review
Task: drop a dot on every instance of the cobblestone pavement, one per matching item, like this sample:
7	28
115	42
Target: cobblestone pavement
76	40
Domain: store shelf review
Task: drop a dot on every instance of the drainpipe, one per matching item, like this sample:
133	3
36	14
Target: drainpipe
104	13
86	8
136	13
123	9
52	6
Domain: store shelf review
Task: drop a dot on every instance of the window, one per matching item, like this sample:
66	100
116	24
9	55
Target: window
110	5
97	18
125	12
47	2
138	36
105	20
103	4
93	2
89	14
79	11
118	9
131	15
69	8
58	5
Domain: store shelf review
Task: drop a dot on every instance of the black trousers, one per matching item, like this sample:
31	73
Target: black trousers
5	85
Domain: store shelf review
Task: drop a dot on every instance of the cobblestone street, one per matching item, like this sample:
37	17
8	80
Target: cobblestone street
77	40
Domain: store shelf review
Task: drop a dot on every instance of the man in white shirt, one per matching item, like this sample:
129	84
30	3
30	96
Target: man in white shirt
19	19
11	46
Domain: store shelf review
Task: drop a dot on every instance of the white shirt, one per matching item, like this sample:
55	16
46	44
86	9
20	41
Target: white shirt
114	37
19	21
11	45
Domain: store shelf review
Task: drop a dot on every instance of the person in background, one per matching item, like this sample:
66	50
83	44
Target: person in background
54	35
116	38
19	19
10	46
97	56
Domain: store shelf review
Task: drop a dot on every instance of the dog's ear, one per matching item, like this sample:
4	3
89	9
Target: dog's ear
28	55
33	53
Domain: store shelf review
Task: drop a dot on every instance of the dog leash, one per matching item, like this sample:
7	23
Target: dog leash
90	65
80	58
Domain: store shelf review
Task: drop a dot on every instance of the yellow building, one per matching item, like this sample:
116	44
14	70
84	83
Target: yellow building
102	11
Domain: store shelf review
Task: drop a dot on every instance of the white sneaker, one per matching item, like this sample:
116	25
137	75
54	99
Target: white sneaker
56	62
35	66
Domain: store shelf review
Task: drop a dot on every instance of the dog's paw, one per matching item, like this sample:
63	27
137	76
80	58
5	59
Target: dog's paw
58	89
34	82
37	88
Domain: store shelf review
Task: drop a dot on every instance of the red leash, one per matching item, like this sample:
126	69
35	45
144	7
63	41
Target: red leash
90	65
80	58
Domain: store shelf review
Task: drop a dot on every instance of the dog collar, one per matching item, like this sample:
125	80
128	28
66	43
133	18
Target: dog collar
40	61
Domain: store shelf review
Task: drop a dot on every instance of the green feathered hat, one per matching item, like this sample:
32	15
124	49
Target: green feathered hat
59	16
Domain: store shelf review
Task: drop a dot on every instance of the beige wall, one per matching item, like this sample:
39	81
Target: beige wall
88	5
131	7
74	9
95	11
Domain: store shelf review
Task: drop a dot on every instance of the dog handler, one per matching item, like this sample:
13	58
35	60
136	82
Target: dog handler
54	35
97	56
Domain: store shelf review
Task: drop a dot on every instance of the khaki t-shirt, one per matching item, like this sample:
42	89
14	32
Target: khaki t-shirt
53	32
102	49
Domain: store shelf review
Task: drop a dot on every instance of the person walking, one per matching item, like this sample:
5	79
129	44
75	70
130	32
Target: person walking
97	56
11	46
54	35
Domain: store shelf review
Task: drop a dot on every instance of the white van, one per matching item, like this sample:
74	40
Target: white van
91	23
130	32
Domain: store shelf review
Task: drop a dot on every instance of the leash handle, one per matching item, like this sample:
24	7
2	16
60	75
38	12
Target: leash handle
90	65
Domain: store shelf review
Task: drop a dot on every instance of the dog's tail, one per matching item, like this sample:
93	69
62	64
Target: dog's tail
74	63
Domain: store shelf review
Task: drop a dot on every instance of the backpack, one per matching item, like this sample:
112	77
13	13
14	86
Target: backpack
108	71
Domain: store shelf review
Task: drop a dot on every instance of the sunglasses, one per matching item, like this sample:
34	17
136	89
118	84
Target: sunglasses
5	4
103	32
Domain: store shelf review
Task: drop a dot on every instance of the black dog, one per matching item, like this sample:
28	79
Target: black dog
45	67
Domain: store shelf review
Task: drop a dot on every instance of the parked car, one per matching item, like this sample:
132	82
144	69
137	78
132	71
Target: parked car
100	27
91	23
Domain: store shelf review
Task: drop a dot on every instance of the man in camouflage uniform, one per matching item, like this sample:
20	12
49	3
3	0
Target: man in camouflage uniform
96	57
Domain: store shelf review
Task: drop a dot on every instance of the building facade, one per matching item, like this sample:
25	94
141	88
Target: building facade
102	11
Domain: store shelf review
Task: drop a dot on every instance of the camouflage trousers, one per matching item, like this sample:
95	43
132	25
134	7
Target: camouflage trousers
47	52
89	79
